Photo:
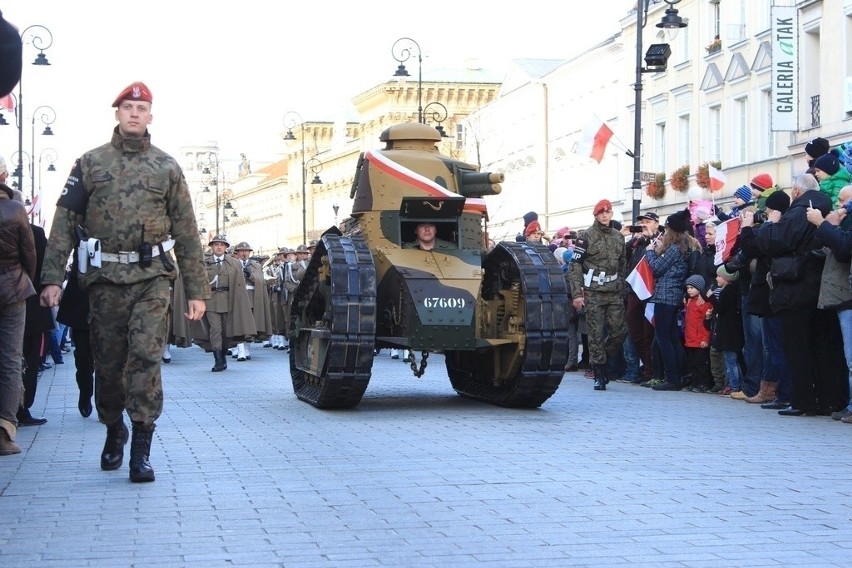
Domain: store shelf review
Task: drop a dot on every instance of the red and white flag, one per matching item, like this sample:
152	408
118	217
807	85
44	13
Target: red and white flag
726	238
717	178
594	139
35	207
649	312
641	279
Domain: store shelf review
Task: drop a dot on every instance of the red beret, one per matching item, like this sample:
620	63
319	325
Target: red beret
136	91
602	205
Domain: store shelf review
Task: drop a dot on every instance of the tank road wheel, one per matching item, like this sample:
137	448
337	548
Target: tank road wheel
333	324
525	292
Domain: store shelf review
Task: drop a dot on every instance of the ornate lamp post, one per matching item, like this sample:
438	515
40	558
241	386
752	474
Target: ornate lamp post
656	58
212	179
47	116
41	39
50	156
438	113
401	51
291	120
336	208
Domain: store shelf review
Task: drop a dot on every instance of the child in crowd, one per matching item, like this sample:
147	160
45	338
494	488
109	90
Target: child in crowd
728	329
696	334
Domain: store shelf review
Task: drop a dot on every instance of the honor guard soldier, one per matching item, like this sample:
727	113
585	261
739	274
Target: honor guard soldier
258	298
277	298
228	313
597	275
125	205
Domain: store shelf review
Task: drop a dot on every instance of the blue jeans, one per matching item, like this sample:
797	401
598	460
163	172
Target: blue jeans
776	367
732	370
845	318
667	334
752	351
631	360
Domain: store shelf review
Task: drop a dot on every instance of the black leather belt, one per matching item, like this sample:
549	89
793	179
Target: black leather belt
221	289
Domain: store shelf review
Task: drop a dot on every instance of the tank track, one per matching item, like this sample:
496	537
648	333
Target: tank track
341	307
544	294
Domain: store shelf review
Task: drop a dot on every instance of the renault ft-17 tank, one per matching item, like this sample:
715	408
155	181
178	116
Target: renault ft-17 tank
499	318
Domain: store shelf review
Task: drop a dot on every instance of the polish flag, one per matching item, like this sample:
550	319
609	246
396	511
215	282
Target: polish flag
641	279
717	178
8	102
35	206
649	312
593	141
726	238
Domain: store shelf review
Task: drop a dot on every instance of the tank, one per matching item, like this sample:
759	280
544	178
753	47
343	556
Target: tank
499	318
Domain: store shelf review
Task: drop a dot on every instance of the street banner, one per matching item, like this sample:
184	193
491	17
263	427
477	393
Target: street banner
785	68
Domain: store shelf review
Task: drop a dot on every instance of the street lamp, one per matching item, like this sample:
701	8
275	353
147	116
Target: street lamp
34	34
213	161
228	213
336	208
439	114
656	58
291	120
401	51
49	155
18	174
47	117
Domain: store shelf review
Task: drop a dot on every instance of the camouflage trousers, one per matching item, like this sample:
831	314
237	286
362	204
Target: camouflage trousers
605	324
128	329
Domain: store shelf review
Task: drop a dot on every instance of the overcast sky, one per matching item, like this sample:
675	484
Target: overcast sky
229	71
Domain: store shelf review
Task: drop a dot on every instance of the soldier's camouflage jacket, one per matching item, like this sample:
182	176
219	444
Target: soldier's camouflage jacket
112	193
601	250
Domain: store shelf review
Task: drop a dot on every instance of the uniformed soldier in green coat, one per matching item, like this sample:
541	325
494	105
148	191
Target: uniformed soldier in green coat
598	271
126	204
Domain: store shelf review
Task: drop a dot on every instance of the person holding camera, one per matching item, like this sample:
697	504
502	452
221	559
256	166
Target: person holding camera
125	205
811	337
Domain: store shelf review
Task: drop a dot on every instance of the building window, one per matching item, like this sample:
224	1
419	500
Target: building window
660	146
683	139
460	136
736	28
715	132
740	124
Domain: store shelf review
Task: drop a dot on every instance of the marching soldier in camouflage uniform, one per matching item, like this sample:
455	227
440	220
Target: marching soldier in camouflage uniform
126	204
598	271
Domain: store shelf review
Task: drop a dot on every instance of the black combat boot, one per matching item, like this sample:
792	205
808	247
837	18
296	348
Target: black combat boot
113	453
600	377
224	353
140	449
219	360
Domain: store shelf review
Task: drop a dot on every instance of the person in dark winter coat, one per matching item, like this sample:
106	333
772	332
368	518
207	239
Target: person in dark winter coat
811	337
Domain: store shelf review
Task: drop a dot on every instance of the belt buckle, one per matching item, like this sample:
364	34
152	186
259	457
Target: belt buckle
123	257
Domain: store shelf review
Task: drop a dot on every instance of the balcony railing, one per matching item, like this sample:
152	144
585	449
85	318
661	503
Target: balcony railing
814	111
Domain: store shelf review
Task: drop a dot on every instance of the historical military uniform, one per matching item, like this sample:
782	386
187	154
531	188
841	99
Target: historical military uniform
598	270
292	272
228	314
129	204
258	300
274	275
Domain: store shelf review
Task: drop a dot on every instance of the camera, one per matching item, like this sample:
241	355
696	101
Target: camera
636	228
759	216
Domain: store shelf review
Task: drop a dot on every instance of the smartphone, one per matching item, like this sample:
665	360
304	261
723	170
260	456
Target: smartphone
636	228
